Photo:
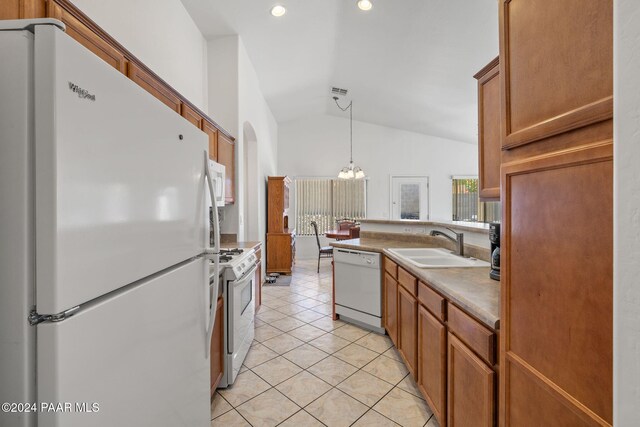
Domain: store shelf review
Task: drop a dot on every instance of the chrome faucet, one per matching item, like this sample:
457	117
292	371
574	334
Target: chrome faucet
459	239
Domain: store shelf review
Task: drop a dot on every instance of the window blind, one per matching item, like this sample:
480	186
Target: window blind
466	204
325	201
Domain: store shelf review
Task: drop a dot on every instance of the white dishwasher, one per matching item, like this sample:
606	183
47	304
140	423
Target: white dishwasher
358	288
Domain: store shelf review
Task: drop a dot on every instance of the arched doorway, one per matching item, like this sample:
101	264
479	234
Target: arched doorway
252	212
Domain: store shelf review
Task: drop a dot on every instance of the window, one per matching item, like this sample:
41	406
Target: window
468	207
325	201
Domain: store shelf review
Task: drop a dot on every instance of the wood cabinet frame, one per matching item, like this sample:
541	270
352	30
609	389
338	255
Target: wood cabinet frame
489	148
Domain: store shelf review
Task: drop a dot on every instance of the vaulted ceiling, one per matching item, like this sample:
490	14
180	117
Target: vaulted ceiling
407	64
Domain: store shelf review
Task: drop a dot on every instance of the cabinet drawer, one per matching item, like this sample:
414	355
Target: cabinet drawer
391	267
479	338
432	301
408	282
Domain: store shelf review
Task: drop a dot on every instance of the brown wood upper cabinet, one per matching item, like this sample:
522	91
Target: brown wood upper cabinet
391	307
87	37
226	156
489	146
408	329
432	363
191	115
212	133
149	83
471	387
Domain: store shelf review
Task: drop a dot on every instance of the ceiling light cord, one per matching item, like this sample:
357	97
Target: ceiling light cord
350	108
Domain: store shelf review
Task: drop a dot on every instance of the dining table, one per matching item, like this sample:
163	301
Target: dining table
337	234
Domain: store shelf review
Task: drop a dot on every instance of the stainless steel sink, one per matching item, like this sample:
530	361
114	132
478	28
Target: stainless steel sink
436	258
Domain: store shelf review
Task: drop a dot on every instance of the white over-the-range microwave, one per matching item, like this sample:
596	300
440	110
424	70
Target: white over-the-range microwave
218	172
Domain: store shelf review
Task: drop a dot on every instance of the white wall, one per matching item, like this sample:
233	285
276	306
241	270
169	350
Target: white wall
162	35
237	103
319	146
626	301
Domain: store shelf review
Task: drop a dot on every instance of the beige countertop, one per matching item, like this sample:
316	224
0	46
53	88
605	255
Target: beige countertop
239	245
469	288
460	225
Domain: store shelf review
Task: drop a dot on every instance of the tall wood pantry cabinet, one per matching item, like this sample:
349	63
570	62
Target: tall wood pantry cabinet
556	74
280	239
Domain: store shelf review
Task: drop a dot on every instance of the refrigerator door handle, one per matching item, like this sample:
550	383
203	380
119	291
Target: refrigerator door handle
213	253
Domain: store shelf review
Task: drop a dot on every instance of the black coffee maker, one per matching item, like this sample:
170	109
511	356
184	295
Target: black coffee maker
494	238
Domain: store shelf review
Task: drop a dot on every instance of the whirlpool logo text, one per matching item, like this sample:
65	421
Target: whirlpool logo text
82	93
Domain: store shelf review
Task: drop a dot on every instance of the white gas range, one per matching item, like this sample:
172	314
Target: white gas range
237	273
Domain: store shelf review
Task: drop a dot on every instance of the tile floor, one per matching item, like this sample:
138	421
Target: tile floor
304	369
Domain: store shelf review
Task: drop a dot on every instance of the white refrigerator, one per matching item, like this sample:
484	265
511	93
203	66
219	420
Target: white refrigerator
104	243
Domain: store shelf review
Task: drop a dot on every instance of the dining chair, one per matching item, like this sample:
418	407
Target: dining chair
323	252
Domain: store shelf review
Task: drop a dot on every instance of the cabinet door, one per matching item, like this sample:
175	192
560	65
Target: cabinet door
217	346
408	329
226	157
86	37
471	388
556	67
391	307
432	363
191	115
212	133
489	147
152	85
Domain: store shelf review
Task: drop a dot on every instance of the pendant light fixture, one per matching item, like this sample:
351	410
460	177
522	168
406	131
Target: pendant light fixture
352	171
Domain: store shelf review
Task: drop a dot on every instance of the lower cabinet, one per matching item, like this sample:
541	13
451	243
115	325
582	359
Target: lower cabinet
432	363
408	329
471	387
391	307
280	252
217	347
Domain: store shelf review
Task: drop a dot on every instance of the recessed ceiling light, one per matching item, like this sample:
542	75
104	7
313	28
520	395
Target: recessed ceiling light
278	10
365	4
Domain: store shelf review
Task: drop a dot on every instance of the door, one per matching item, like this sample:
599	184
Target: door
407	328
410	197
471	388
391	307
119	178
140	355
432	362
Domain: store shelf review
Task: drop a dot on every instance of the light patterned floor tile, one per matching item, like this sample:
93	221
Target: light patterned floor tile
268	409
283	343
308	303
301	419
246	386
376	342
324	309
433	422
305	355
307	332
350	332
294	298
332	370
336	409
230	419
308	316
258	354
277	370
404	408
374	419
304	388
387	369
219	406
270	316
365	387
287	324
290	309
392	353
356	355
409	385
329	343
328	324
265	332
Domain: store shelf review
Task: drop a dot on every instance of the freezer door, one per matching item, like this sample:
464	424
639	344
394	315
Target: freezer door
139	355
119	178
